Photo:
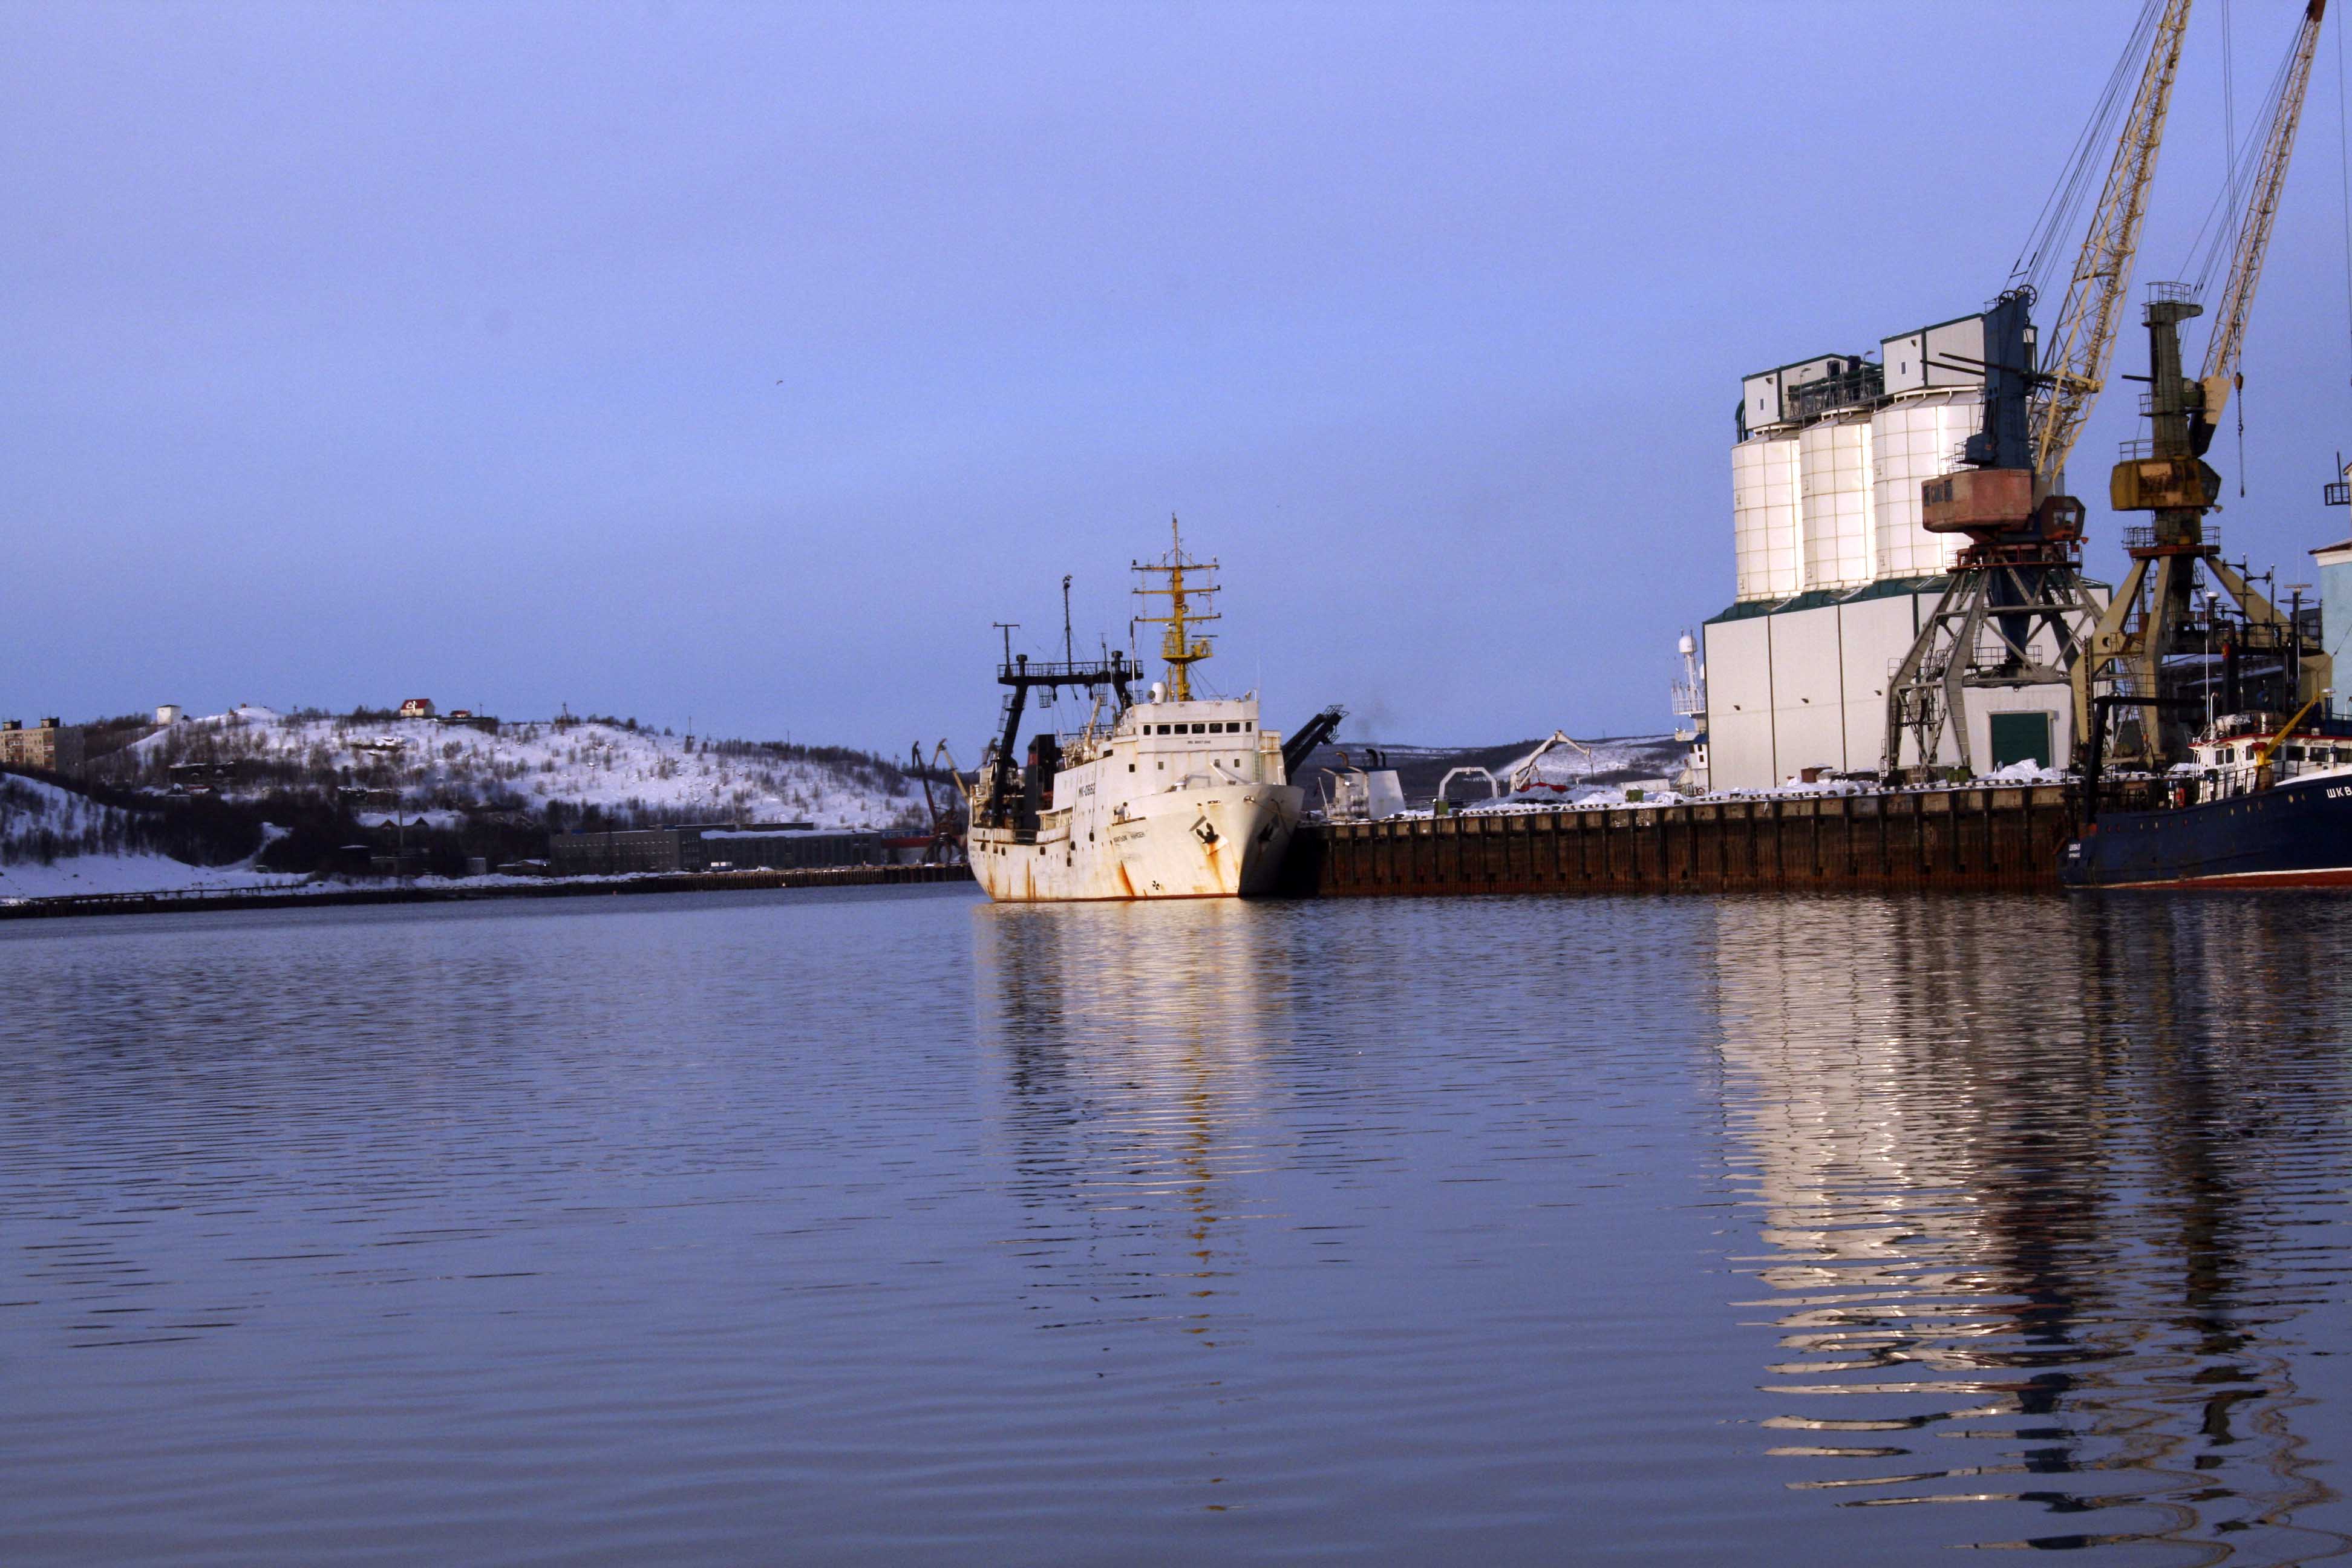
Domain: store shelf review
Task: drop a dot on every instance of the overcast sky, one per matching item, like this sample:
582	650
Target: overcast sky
746	361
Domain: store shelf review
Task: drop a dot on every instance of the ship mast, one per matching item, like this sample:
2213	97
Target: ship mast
1183	579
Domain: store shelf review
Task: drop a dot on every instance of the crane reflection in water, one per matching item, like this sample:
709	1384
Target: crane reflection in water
2031	1181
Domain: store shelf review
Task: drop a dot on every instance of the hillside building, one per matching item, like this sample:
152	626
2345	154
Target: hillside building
49	746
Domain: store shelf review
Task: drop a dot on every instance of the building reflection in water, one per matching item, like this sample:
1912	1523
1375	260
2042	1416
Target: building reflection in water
1129	1043
2037	1183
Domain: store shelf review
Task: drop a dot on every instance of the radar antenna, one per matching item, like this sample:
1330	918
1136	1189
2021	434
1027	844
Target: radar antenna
1183	581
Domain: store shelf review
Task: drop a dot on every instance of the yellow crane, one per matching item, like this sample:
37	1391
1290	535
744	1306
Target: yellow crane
2229	339
2016	596
2085	336
2155	609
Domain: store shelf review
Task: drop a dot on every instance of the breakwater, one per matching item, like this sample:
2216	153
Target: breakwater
1910	840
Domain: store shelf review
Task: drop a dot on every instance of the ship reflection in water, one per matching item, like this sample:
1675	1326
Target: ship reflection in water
1122	1084
2048	1195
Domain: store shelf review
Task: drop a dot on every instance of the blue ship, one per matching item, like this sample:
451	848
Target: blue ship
2263	805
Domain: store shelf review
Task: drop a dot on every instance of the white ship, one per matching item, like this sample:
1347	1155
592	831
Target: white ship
1170	798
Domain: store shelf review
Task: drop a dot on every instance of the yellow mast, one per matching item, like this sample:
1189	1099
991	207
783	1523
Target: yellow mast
1176	645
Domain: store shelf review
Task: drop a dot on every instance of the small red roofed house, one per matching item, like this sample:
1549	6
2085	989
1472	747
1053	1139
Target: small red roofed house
418	708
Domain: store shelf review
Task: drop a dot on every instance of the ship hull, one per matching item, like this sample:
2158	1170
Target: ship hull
1222	843
2298	834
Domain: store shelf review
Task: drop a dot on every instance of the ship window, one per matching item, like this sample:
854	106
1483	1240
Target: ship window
1200	728
1130	767
1246	724
1216	729
2297	754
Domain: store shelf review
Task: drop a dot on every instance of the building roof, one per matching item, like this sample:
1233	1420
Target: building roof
1884	588
1819	598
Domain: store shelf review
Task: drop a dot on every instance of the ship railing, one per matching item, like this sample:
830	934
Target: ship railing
1081	672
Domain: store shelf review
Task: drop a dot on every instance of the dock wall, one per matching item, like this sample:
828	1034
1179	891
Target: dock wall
1923	840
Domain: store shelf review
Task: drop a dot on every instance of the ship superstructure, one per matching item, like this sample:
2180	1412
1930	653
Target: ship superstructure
1173	796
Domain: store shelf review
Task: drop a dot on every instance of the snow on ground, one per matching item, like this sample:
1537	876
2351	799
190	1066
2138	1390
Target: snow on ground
71	874
29	808
529	765
438	820
94	848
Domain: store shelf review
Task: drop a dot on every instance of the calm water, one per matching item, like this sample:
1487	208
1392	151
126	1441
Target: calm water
888	1226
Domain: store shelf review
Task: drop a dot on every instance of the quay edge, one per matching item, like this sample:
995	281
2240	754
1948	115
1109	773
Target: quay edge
1923	840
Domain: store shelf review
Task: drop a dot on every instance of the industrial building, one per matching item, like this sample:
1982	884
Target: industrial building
49	746
1835	571
771	846
2334	564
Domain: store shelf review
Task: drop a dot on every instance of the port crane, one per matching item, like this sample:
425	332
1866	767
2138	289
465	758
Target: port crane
2020	572
947	822
2143	630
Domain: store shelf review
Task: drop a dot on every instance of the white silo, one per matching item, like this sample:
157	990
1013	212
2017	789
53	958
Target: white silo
1766	518
1836	497
1913	440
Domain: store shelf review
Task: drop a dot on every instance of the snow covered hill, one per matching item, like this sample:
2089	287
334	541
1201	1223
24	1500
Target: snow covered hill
54	842
553	770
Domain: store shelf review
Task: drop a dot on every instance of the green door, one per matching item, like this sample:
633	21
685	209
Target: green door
2020	737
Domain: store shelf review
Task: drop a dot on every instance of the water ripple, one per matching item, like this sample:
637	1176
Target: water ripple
887	1224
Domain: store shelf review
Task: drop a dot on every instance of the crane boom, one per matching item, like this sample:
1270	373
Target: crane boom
2085	337
2229	339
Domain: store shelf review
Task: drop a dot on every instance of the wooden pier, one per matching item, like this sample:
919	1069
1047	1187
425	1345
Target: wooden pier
1922	840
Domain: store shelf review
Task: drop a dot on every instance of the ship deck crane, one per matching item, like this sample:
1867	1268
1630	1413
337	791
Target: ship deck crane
2021	574
2165	473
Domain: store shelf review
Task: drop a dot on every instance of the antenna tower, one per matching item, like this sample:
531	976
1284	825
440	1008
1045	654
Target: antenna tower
1183	581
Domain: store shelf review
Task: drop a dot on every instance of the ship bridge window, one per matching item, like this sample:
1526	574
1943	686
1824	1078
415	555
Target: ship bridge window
1216	729
1200	728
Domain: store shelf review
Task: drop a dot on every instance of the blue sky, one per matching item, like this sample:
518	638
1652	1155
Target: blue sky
747	362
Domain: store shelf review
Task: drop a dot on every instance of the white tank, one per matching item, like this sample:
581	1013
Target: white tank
1766	523
1912	441
1836	499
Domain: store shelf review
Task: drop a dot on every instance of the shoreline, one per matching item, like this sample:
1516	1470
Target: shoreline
71	904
